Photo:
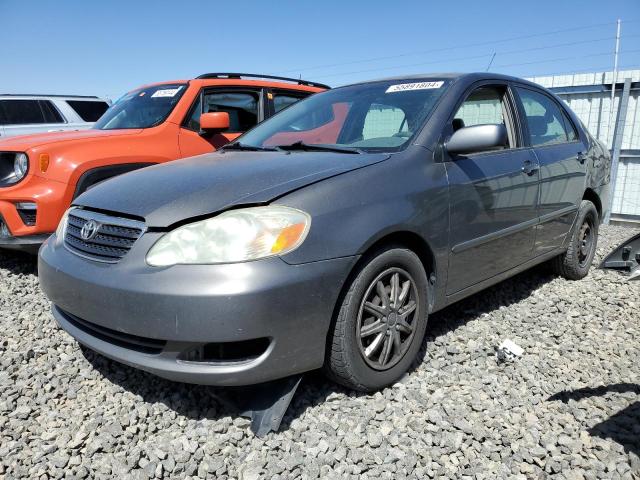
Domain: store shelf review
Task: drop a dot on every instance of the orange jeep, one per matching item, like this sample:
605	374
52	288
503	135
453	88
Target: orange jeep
41	174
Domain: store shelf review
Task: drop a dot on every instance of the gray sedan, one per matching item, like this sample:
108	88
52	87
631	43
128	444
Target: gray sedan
327	235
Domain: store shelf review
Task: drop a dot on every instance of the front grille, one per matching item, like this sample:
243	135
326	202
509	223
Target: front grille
120	339
111	238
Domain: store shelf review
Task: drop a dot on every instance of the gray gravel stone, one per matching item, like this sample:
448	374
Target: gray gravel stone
68	412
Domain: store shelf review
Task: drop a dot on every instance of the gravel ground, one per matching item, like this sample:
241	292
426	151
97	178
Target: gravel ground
568	408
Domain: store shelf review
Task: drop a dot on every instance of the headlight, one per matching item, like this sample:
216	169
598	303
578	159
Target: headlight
62	228
20	166
233	236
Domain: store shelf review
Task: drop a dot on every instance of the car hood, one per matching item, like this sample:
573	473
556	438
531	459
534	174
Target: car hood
172	192
25	142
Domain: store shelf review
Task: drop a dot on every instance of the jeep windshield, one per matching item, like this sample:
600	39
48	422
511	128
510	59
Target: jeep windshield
370	117
142	108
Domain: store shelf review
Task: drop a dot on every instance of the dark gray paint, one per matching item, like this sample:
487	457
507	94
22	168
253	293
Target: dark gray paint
482	218
213	182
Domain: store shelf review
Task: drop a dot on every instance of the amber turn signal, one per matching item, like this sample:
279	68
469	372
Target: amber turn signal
44	162
289	236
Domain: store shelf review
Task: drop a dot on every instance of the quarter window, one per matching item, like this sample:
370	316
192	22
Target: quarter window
242	108
545	120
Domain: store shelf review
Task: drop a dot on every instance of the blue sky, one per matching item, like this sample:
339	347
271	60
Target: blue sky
108	47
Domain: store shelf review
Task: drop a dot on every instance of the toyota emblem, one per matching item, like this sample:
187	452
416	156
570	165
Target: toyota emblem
89	230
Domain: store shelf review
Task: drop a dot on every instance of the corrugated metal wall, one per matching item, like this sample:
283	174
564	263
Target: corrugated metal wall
593	108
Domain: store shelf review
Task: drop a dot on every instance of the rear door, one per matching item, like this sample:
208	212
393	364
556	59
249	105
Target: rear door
25	116
561	155
493	195
245	106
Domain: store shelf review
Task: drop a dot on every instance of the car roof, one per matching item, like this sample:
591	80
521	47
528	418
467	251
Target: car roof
44	95
469	76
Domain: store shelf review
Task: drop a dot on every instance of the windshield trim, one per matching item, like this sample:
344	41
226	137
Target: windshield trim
160	121
447	83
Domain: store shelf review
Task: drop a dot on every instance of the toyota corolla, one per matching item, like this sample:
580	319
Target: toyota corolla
328	234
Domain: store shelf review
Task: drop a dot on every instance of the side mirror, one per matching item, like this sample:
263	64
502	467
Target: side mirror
214	122
477	138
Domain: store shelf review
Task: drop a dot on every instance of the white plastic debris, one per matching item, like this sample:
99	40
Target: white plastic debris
508	351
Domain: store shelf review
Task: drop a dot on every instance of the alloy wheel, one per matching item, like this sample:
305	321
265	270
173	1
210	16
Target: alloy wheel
387	318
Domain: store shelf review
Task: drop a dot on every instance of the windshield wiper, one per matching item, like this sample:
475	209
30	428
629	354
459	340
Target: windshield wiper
248	148
305	147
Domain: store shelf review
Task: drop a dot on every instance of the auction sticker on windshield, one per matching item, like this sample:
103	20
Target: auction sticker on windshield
413	86
167	92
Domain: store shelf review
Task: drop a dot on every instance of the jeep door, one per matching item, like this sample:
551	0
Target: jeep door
562	156
493	194
245	106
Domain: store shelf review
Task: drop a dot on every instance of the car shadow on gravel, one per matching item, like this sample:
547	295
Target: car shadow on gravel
19	263
622	427
200	402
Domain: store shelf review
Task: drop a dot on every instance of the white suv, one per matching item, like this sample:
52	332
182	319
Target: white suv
25	114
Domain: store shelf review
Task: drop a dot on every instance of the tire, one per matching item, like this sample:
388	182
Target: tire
365	314
574	264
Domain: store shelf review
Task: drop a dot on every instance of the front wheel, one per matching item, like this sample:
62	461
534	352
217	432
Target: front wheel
574	264
382	319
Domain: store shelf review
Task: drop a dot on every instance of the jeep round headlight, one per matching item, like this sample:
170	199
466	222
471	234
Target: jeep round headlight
233	236
20	166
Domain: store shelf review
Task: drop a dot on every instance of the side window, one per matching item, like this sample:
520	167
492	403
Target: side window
87	110
485	106
383	121
242	108
51	114
21	112
572	135
282	100
544	118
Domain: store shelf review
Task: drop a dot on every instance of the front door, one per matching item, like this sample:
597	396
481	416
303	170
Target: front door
245	109
493	195
561	155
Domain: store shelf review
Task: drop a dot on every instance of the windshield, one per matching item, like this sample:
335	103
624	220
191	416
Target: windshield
142	108
380	116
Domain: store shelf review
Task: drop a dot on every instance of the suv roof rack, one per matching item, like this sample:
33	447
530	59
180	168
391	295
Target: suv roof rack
44	95
254	75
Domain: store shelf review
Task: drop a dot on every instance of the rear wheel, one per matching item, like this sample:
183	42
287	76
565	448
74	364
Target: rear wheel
574	264
381	322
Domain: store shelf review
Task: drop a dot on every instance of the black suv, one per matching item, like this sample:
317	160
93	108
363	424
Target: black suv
326	235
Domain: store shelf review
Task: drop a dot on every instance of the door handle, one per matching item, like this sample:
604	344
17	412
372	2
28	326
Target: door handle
581	157
529	167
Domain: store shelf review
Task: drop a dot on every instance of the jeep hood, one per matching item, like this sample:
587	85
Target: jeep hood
175	191
23	143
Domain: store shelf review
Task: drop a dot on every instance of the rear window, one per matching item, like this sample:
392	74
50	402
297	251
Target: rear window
87	110
28	112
